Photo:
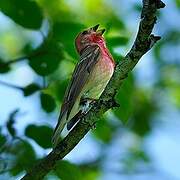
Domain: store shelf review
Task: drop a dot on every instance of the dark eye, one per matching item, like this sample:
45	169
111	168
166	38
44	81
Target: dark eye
85	32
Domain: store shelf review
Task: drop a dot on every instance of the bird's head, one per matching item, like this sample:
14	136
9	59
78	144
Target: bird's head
89	37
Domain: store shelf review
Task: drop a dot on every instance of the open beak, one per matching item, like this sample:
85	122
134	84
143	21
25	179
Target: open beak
95	27
98	32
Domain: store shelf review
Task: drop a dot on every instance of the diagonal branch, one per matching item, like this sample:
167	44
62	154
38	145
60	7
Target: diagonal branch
143	43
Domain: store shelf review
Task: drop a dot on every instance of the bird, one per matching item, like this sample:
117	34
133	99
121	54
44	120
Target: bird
89	79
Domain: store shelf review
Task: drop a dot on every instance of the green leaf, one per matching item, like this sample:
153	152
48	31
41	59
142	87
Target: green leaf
4	68
46	58
144	109
45	64
116	23
24	156
117	41
2	140
178	3
103	131
26	13
125	98
57	89
116	56
138	154
61	88
40	134
67	171
66	32
47	102
30	89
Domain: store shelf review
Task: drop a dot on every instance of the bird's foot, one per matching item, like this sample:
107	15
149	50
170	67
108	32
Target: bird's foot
87	104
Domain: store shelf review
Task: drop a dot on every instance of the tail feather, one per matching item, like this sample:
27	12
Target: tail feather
57	132
74	120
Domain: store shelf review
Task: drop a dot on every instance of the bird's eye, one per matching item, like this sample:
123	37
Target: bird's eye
85	32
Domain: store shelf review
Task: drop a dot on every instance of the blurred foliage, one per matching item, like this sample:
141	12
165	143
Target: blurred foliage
2	139
40	134
47	102
104	131
21	151
4	67
45	59
30	89
20	12
63	169
52	60
126	99
11	122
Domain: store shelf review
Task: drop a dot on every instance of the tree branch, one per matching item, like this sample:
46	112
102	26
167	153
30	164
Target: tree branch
144	42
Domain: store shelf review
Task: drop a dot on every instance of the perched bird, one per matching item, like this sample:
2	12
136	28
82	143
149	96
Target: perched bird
89	79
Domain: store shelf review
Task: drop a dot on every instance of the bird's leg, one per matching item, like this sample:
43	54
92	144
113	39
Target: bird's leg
86	104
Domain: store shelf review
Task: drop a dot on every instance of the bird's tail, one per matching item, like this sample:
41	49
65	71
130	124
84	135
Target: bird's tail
58	129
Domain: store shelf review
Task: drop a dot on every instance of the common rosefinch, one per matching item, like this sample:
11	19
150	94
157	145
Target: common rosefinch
89	79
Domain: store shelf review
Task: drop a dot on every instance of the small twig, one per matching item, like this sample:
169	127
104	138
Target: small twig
23	58
10	85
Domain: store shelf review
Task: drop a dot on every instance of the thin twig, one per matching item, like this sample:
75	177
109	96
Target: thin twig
27	57
10	85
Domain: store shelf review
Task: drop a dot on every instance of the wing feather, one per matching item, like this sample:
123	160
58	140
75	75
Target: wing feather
88	58
80	76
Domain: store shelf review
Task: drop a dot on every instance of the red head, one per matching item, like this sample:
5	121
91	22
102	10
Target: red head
89	37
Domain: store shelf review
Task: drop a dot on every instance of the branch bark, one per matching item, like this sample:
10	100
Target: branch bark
143	43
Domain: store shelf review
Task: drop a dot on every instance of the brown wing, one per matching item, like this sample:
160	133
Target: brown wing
88	58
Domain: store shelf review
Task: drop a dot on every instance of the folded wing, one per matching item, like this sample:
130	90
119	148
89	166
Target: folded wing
88	58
